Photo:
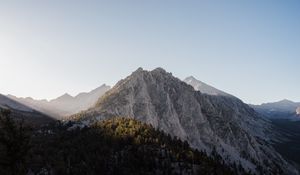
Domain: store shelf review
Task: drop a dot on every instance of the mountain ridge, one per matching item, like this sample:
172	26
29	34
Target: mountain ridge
283	109
65	104
23	112
205	121
203	87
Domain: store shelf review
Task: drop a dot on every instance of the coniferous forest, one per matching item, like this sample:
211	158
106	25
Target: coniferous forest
114	146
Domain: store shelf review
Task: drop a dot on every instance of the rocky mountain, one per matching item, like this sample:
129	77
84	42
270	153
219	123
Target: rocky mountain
208	122
66	104
286	123
20	111
284	109
203	87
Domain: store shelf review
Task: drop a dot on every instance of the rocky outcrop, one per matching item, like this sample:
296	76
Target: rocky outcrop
221	123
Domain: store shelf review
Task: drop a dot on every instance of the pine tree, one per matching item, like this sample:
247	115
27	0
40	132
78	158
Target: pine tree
14	145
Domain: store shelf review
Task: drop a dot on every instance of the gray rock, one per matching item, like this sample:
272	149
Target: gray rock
207	122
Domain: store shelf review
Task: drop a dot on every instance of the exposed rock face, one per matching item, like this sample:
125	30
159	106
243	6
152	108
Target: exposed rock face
66	104
298	111
225	123
203	87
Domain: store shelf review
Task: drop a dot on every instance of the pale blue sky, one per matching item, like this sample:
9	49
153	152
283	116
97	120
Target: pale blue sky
249	48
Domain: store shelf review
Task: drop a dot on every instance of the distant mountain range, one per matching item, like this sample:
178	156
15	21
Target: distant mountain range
20	112
285	119
284	109
64	105
207	118
7	103
208	122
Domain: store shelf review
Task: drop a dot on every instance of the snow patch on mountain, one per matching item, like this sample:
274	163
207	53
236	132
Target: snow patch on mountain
203	87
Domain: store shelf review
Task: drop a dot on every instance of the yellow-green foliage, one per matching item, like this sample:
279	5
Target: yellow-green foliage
127	128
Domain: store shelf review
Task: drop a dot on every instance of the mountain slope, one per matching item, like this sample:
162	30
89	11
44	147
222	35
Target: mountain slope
118	146
20	111
288	141
286	122
284	109
11	104
66	104
203	87
207	122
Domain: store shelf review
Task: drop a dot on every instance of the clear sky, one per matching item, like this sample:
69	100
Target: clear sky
249	48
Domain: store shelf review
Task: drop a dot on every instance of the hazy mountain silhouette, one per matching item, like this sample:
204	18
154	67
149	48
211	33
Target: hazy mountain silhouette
284	109
66	104
20	112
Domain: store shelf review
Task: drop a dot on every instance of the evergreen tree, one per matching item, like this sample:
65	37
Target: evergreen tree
14	145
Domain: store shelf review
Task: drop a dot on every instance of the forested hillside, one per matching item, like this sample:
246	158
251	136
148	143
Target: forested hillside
114	146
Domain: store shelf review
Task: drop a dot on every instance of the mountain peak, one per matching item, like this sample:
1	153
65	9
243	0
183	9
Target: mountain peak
160	70
63	98
139	70
140	74
100	88
66	95
286	101
157	70
203	87
190	78
204	121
